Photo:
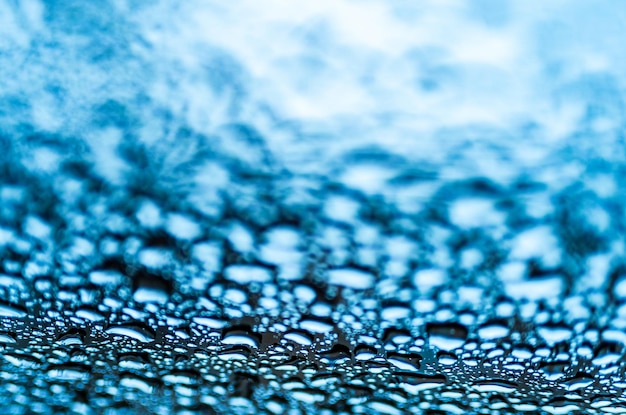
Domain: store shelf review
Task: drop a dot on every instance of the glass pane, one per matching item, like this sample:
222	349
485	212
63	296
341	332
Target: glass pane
323	207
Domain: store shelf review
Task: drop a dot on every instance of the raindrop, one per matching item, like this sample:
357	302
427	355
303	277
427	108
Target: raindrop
246	274
132	381
210	322
446	336
134	331
316	326
105	277
151	289
241	335
301	337
607	353
577	382
308	396
364	352
181	377
351	278
553	334
11	310
414	383
384	408
495	385
336	355
69	372
89	314
71	338
235	353
22	360
446	359
408	362
493	331
7	338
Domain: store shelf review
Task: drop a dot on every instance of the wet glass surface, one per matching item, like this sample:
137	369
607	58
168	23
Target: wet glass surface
322	208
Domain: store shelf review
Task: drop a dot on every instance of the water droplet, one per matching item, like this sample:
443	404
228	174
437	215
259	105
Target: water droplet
22	360
364	352
493	331
71	338
7	338
384	408
553	334
11	310
235	353
132	381
69	372
246	274
316	326
241	335
408	362
89	314
414	383
181	377
607	353
495	385
299	336
577	382
105	277
133	331
446	336
210	322
308	396
151	289
338	354
351	278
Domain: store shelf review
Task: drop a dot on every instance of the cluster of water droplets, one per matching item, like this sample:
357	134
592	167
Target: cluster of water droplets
259	290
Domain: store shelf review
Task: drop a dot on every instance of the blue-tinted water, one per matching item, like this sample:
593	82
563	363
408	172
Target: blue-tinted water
328	207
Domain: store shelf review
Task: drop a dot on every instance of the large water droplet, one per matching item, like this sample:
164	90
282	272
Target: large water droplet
11	310
446	336
133	331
